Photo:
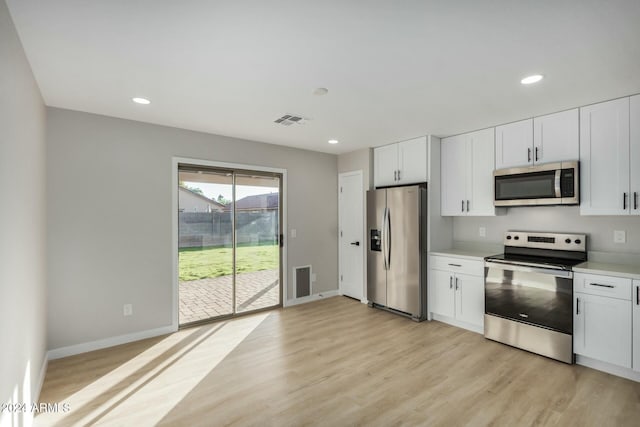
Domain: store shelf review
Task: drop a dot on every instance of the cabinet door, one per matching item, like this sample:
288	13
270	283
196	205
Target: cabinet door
636	325
634	149
514	144
453	175
556	137
469	304
442	294
412	160
602	328
604	158
480	165
385	165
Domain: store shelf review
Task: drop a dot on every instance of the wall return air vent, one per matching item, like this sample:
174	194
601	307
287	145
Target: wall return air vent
290	119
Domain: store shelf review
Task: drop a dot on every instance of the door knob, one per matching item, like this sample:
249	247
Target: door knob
356	243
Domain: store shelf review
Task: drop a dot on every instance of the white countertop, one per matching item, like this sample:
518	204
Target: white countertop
629	271
475	254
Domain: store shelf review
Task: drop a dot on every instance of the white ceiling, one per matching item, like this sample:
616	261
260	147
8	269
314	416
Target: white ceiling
394	70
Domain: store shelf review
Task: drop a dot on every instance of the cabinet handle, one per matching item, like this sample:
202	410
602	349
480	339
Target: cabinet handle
602	286
456	283
395	175
398	175
624	201
537	148
450	282
637	295
528	154
467	206
577	306
462	208
635	200
455	265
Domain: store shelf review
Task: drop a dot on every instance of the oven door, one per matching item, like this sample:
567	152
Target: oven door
536	296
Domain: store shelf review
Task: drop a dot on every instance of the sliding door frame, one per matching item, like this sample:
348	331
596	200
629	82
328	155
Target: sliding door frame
175	162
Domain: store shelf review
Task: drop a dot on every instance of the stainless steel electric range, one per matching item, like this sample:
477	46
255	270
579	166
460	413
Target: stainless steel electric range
529	292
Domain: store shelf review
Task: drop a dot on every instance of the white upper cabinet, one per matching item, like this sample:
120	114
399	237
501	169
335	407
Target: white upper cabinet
604	158
401	163
544	139
385	166
634	155
514	144
453	152
412	160
556	137
467	174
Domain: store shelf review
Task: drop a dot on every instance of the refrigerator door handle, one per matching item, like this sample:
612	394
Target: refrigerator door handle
388	225
384	237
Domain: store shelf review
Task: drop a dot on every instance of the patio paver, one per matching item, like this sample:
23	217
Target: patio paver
205	298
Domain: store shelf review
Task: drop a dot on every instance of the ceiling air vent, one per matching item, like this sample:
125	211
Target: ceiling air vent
290	119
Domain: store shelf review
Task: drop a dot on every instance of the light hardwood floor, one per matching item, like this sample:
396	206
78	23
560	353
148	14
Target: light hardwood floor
333	362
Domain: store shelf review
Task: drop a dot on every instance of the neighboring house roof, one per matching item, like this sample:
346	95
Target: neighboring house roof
258	201
220	206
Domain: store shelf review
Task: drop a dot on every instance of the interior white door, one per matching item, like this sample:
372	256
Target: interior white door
352	241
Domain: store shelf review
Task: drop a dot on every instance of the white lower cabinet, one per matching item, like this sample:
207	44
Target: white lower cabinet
457	290
636	325
602	318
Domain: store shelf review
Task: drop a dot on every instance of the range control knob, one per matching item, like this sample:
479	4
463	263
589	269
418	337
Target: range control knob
516	238
508	237
578	241
567	241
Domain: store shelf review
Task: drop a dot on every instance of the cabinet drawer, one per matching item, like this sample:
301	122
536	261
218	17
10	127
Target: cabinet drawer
458	265
614	287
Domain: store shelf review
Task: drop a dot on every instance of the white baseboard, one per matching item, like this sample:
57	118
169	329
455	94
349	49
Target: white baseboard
71	350
479	329
618	371
43	373
311	298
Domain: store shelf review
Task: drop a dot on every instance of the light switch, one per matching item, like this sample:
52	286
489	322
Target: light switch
293	233
619	236
482	231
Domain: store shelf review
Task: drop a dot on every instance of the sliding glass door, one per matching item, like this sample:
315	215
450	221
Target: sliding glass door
229	253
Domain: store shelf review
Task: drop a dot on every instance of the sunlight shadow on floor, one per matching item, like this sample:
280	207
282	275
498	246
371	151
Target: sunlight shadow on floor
163	374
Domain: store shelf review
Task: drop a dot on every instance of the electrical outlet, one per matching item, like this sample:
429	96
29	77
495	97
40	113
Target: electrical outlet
128	310
294	232
313	277
619	236
482	231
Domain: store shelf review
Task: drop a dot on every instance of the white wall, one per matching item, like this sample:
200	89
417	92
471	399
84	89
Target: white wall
103	255
22	225
358	160
553	218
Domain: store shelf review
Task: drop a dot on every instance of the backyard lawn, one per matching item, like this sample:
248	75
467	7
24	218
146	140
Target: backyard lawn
203	263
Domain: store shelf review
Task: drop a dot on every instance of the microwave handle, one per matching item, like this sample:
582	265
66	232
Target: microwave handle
557	183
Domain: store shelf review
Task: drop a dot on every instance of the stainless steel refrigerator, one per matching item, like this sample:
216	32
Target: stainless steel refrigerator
397	252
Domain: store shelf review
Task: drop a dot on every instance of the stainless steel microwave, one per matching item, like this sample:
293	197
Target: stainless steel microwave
546	184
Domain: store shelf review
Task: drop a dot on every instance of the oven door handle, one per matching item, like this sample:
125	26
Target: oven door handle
529	269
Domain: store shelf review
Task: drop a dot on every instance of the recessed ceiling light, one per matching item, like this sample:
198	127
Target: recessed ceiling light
321	91
532	79
333	141
143	101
